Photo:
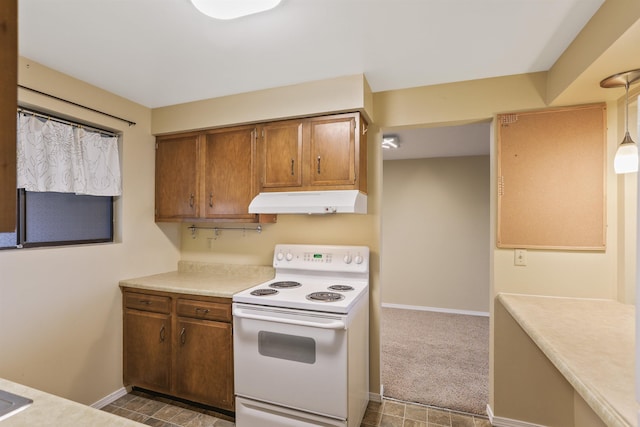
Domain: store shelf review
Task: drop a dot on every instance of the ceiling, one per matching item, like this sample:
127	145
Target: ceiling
165	52
446	141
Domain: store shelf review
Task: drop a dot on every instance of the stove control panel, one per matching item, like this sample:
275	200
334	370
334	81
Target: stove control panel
322	258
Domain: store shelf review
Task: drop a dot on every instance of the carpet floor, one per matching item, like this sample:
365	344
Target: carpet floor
436	359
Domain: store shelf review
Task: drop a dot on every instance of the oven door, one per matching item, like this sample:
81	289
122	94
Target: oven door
291	358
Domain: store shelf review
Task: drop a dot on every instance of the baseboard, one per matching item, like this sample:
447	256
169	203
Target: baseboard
375	397
437	309
507	422
110	398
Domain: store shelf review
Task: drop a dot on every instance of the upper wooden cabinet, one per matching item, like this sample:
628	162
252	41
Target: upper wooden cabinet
213	175
207	176
229	173
177	177
318	153
281	154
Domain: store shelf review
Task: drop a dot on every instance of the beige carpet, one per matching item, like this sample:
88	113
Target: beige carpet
437	359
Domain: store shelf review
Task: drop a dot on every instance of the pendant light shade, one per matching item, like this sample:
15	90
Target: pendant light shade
626	160
232	9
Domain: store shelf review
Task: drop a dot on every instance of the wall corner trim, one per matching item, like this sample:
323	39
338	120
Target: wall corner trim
110	398
507	422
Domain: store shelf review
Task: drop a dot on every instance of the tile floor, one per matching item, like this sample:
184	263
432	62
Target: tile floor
392	413
159	411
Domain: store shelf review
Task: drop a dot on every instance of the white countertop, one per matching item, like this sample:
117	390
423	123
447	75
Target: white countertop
591	342
49	410
208	279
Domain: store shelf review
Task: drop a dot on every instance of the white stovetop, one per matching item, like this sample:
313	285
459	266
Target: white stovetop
297	297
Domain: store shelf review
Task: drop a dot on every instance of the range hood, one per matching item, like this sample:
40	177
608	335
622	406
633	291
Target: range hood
309	202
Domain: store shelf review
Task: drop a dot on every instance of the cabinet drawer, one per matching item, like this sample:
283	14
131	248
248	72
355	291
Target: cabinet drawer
146	302
204	310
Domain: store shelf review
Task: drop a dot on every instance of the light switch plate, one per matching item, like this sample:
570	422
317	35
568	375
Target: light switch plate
520	257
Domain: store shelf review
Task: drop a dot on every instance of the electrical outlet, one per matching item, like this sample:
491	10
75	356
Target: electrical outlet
520	257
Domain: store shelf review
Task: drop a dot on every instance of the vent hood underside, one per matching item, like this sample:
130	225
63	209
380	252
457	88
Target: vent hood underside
309	202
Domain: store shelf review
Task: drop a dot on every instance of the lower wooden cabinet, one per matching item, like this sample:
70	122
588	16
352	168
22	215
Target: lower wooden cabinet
180	345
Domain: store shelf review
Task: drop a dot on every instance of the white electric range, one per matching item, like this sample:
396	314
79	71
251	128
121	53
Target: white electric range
301	340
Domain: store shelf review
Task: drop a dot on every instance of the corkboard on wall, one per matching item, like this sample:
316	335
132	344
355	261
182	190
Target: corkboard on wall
551	179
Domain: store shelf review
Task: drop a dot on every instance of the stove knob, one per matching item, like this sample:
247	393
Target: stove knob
289	256
279	256
359	259
347	259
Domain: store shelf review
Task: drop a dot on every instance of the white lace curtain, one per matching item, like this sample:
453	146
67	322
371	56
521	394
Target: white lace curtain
59	157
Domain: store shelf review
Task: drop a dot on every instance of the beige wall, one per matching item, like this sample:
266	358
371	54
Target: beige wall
60	308
435	234
348	93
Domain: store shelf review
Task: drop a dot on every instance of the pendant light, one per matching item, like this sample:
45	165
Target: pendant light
626	160
232	9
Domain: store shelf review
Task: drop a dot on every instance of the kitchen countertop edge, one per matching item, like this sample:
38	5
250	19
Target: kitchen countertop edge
48	409
205	279
560	326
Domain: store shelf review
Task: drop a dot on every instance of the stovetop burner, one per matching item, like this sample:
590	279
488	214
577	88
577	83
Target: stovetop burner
264	292
287	284
341	288
325	296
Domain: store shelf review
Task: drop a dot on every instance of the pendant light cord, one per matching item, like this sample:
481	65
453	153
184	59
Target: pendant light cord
626	107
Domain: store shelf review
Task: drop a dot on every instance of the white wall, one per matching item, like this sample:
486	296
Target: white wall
435	233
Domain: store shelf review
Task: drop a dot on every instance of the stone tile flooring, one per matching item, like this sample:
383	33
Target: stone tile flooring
392	413
159	411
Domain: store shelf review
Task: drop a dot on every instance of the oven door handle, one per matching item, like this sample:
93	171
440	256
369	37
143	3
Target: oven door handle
330	324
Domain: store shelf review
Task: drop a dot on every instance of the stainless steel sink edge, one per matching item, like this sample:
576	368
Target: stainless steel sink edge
11	404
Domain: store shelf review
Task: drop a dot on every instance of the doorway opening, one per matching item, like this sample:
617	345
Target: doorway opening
435	267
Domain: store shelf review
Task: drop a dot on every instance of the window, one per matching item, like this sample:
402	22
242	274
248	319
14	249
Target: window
53	219
68	176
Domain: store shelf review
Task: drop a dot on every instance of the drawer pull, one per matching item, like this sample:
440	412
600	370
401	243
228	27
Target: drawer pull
162	334
204	311
145	302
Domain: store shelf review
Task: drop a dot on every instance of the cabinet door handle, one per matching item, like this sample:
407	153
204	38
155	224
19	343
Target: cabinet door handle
210	200
204	311
318	165
191	200
162	334
292	163
183	336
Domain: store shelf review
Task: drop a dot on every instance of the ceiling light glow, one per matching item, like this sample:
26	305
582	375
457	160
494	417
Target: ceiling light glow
232	9
390	142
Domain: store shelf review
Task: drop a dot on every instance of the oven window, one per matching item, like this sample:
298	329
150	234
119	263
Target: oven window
288	347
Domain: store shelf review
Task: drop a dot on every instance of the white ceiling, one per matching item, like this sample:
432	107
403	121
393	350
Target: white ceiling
164	52
445	141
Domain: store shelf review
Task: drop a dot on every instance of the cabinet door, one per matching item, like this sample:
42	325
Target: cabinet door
204	362
147	350
229	173
177	178
8	104
332	144
281	152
